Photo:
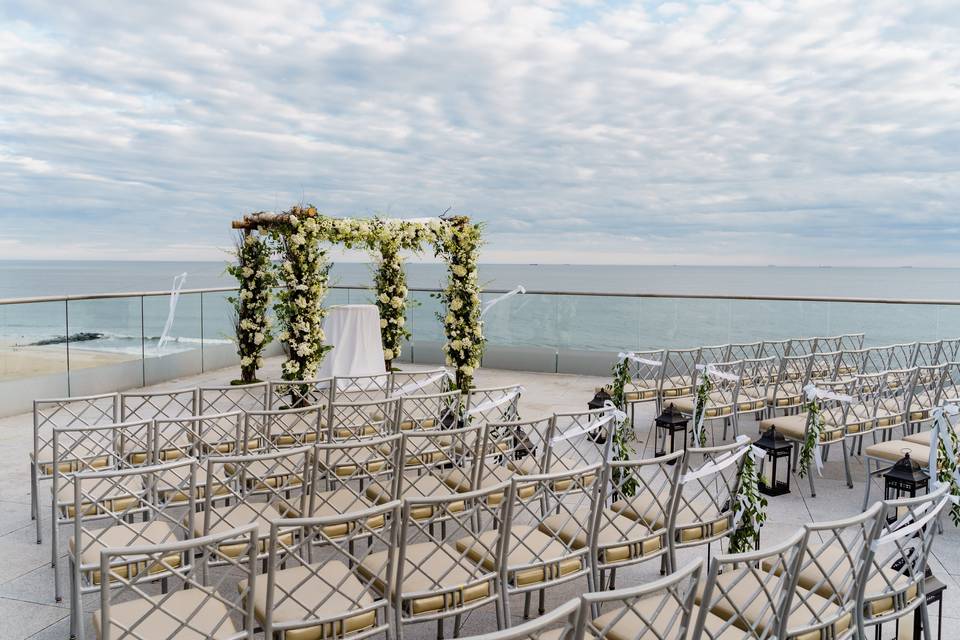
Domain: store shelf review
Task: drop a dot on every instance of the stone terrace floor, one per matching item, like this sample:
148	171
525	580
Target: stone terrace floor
28	609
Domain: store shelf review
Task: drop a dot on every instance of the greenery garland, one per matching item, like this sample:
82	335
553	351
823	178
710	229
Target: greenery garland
390	281
703	396
623	435
304	272
458	242
255	274
751	505
812	437
947	470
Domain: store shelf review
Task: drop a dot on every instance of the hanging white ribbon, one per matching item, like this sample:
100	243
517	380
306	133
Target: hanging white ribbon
416	385
174	297
813	392
630	355
718	465
495	402
613	414
941	433
711	373
517	289
715	374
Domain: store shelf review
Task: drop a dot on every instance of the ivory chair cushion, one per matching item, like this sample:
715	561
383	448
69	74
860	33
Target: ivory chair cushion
893	450
111	494
793	426
751	399
299	586
717	406
269	473
689	526
924	438
529	465
457	480
631	626
156	532
174	484
676	387
640	390
527	546
784	398
82	456
425	564
164	622
425	486
744	591
613	529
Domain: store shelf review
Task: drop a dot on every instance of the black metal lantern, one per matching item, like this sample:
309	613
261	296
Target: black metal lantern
776	449
670	423
600	400
904	478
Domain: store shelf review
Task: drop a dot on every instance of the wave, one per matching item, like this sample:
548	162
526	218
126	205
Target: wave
106	336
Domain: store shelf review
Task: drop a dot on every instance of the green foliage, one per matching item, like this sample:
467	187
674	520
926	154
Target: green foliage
623	434
254	273
751	505
704	387
812	436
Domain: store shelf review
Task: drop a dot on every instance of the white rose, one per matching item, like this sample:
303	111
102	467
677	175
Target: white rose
400	321
258	338
467	369
294	221
384	298
247	272
246	361
396	302
383	323
388	354
458	270
456	304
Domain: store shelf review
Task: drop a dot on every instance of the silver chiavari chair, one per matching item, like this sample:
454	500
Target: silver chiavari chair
278	428
149	405
295	394
229	398
801	346
679	373
895	400
418	383
89	449
660	610
207	606
435	577
926	394
749	595
124	508
774	348
201	436
702	509
902	356
755	387
852	362
313	587
253	489
430	411
62	412
875	359
824	365
725	379
950	390
714	354
949	350
559	623
747	351
830	343
492	404
532	450
836	561
897	576
786	391
362	419
361	388
926	354
851	341
646	373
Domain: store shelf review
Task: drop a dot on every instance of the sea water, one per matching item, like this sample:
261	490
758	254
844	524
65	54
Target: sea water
575	322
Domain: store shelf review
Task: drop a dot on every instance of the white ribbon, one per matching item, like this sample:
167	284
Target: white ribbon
579	431
712	372
941	432
905	530
496	402
630	355
415	385
813	392
517	289
710	468
174	297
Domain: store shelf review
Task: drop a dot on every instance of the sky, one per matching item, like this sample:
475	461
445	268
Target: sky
791	133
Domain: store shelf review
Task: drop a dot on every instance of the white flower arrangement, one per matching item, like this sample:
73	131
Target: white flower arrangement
253	271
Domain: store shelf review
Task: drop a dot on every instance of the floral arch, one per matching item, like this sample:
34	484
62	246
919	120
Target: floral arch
298	237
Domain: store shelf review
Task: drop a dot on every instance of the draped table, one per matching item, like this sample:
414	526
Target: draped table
353	330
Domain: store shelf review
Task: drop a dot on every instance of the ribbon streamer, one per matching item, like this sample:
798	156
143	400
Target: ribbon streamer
813	392
496	402
711	371
716	466
415	385
910	529
579	431
174	298
517	289
630	355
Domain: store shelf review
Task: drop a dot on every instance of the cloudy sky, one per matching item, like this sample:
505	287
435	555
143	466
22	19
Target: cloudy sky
794	132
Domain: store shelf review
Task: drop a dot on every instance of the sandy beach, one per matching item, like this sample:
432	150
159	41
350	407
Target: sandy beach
29	361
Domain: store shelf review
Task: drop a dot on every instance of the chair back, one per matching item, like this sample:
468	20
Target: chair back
746	351
361	388
832	574
658	610
351	475
430	411
199	436
725	381
896	397
777	348
368	418
68	412
926	354
824	365
430	455
581	439
240	397
200	607
714	354
679	371
927	392
851	341
418	383
844	412
852	362
702	509
895	585
492	404
830	343
801	346
530	451
949	350
646	374
294	394
636	498
950	391
791	377
559	623
150	405
279	428
330	594
755	382
902	356
750	594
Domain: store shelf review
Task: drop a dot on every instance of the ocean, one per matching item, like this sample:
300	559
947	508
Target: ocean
568	322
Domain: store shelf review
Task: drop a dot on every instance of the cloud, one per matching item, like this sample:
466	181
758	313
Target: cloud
748	132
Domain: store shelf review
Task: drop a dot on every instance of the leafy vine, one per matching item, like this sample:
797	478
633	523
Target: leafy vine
750	504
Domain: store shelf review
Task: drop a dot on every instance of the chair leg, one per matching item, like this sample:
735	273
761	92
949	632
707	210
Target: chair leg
541	608
866	490
925	620
813	490
440	629
526	605
846	464
35	499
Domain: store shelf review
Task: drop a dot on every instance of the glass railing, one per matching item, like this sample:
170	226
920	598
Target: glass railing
52	347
